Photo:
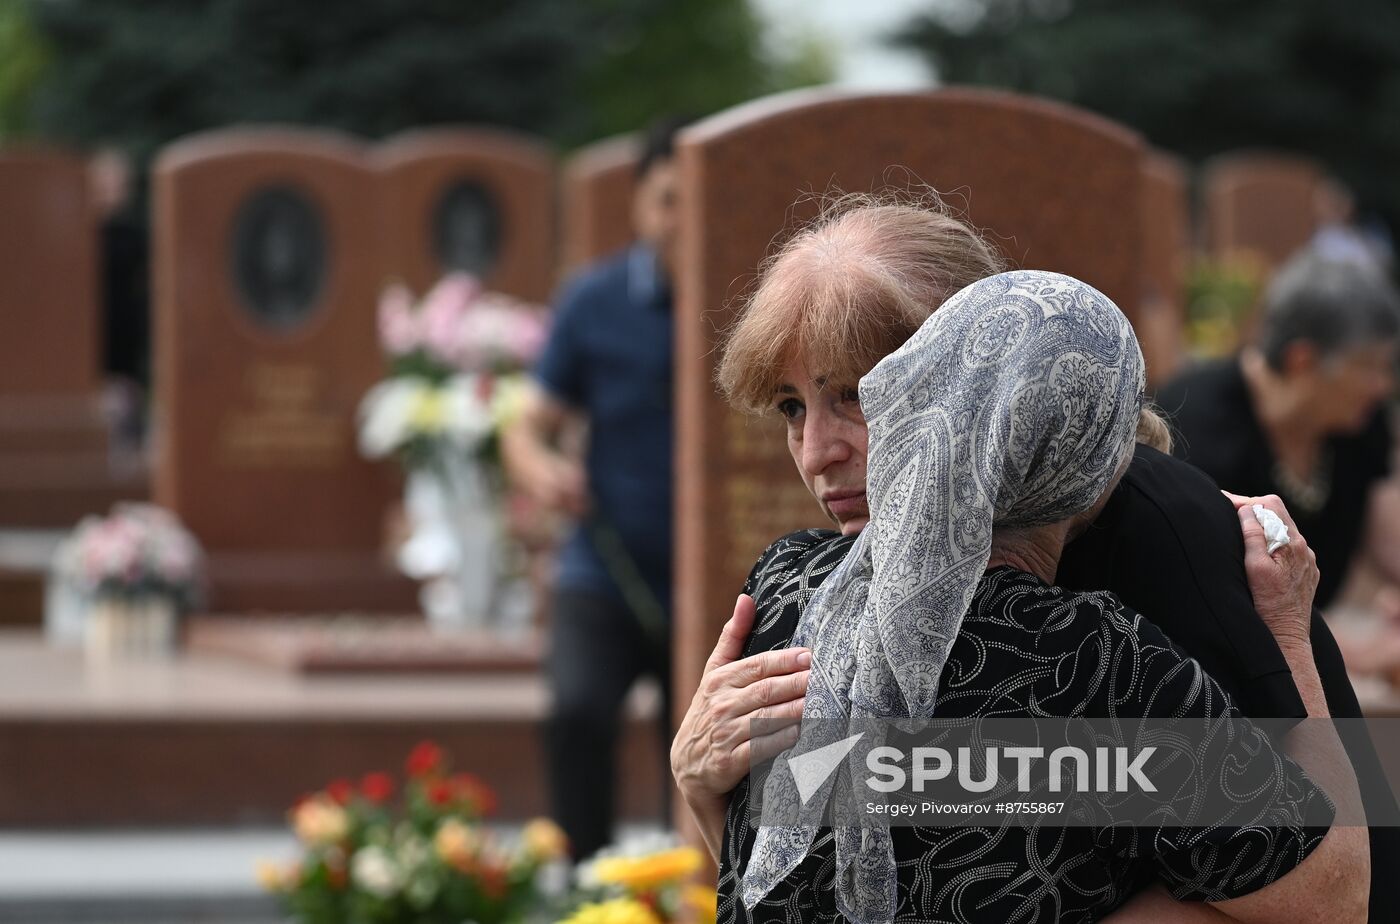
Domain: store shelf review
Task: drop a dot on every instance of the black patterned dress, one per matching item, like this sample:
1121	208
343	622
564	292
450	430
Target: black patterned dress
1073	654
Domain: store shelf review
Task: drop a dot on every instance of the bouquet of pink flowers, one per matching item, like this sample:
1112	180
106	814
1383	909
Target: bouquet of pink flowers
456	361
139	550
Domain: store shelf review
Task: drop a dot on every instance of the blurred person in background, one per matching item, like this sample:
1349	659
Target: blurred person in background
125	290
607	365
1301	412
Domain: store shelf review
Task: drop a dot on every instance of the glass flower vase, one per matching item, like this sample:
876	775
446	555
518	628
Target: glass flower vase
454	547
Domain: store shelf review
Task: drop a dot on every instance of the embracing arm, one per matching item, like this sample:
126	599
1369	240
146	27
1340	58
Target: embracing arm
713	747
1332	884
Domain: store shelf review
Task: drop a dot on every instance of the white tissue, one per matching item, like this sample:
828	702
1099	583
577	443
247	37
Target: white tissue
1274	529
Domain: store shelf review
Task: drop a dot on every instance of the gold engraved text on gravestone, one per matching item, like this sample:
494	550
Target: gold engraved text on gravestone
764	496
283	423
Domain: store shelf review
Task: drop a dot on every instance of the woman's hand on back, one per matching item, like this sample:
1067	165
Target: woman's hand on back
715	744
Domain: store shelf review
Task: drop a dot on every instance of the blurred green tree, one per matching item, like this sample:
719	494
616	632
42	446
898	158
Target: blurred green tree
687	56
22	60
1198	76
139	73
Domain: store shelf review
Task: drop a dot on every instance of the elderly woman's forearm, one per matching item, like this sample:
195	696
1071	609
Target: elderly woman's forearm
1331	886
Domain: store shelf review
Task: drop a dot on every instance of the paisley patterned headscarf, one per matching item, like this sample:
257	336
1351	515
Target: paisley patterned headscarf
1014	405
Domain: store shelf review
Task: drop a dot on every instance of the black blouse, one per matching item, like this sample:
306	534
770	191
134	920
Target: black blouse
1111	661
1216	430
1168	544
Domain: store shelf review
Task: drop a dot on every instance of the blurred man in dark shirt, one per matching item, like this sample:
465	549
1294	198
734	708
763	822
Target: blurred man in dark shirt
607	365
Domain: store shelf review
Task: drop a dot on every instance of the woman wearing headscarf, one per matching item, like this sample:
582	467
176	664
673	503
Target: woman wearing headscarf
1010	414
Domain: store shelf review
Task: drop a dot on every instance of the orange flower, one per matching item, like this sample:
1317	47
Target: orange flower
319	821
652	871
377	787
544	840
425	759
455	841
277	877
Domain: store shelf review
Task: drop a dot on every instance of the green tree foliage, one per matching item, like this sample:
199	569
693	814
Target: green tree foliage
1198	76
665	40
22	60
141	72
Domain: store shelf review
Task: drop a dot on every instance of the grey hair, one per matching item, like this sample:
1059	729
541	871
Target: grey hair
1331	304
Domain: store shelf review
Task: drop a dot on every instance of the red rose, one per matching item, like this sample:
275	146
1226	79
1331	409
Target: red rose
340	791
377	787
441	792
426	758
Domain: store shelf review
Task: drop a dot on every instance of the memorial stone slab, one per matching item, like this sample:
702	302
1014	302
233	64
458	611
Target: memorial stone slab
49	306
1059	188
597	198
474	200
1261	206
268	264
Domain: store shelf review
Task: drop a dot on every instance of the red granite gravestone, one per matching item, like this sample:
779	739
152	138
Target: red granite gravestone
1059	187
268	263
476	200
1166	252
597	199
1261	206
54	464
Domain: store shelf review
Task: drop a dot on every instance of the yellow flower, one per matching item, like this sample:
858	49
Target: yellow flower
276	877
617	911
319	821
642	874
456	843
428	413
702	901
544	840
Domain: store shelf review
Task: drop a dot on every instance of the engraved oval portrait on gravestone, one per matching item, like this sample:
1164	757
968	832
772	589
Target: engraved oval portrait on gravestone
467	228
279	255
